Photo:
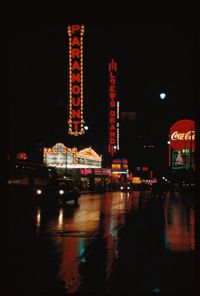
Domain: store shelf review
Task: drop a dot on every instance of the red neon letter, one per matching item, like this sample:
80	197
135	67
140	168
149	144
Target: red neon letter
75	41
112	134
112	81
112	104
76	113
75	123
76	77
75	28
76	89
112	96
112	113
112	141
76	101
112	127
75	53
112	88
75	65
111	75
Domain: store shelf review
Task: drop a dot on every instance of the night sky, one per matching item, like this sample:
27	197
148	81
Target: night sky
151	59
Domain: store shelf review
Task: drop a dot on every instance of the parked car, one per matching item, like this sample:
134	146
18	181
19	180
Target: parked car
59	191
36	183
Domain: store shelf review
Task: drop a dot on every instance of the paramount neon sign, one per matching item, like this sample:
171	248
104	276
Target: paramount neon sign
76	121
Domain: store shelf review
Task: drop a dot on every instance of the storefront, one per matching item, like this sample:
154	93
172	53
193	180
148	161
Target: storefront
96	180
119	171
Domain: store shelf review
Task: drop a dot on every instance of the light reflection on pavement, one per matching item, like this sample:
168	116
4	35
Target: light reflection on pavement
74	229
179	225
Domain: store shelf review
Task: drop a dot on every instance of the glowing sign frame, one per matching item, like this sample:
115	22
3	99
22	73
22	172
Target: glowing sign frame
113	110
187	158
76	121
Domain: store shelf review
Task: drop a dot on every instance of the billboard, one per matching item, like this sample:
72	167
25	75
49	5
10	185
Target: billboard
182	135
76	121
183	159
119	165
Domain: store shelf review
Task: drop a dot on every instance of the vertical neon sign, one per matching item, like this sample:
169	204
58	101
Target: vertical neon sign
113	110
76	121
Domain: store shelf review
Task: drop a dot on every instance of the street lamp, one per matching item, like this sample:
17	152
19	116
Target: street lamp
162	96
169	153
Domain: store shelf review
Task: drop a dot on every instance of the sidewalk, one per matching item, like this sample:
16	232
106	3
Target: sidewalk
188	196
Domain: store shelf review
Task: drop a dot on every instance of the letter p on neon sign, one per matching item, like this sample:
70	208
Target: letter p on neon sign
75	28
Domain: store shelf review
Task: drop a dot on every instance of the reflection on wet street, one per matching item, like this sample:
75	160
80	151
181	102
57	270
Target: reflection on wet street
112	242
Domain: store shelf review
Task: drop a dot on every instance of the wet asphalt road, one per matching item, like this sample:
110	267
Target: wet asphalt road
117	243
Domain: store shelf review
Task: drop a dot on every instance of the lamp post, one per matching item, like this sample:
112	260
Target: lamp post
169	153
162	111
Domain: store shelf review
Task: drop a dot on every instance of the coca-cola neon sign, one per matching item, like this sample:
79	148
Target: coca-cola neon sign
182	135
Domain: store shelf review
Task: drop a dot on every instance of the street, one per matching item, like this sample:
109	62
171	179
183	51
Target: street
96	111
111	242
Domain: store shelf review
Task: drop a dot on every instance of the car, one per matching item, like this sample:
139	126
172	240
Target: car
36	183
125	187
58	191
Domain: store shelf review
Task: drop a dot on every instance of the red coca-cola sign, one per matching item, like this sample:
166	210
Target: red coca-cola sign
182	135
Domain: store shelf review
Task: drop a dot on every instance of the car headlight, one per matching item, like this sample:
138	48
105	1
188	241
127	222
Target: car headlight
39	191
61	192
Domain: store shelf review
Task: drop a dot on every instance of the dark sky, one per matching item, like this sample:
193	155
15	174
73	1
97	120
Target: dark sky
151	58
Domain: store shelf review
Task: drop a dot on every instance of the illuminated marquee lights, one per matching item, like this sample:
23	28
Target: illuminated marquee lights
76	121
64	157
113	114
